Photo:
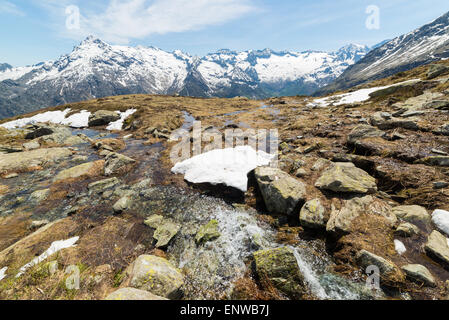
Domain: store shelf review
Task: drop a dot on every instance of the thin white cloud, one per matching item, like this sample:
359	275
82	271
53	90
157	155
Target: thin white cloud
123	20
7	7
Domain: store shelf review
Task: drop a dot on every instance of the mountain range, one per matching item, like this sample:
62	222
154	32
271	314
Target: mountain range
421	46
95	69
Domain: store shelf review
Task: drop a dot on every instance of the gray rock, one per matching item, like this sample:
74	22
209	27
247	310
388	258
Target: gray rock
133	294
32	145
22	160
85	169
154	221
102	118
38	224
313	215
364	131
365	259
436	70
165	232
37	131
346	177
39	195
281	192
384	122
279	266
122	204
102	185
340	221
301	173
417	272
407	230
158	276
441	161
440	185
115	162
437	247
412	213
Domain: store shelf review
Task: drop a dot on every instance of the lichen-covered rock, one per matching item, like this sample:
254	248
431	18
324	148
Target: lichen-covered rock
282	193
158	276
386	121
89	169
102	185
313	215
412	213
115	162
280	268
165	232
133	294
340	221
102	118
346	177
437	247
154	221
208	232
419	273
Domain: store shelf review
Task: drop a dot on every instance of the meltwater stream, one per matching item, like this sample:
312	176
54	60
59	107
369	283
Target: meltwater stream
211	269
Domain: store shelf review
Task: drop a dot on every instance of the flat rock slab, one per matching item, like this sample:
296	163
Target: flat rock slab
346	177
419	273
437	247
22	160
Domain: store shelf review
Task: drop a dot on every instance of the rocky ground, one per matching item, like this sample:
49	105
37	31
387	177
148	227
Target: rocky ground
358	185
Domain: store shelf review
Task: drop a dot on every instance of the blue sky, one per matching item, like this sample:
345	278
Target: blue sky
32	31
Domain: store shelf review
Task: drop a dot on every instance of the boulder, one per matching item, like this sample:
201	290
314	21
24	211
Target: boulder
102	118
412	214
340	221
419	273
407	230
279	268
346	177
37	131
436	70
115	162
158	276
282	193
122	204
388	270
102	185
437	248
440	161
208	232
133	294
313	215
386	121
165	232
89	169
154	221
364	131
22	160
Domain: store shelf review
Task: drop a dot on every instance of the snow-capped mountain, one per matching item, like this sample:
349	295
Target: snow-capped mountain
421	46
96	69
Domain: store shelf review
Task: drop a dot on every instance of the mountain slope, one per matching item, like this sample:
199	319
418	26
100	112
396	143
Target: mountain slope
421	46
96	69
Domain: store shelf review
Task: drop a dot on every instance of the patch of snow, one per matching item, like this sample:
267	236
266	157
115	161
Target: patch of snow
400	247
77	120
3	273
54	247
117	125
55	117
352	97
16	73
441	219
223	166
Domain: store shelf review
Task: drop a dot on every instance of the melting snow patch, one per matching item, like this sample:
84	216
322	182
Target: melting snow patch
351	97
55	117
399	246
77	120
54	247
441	219
117	125
223	166
3	273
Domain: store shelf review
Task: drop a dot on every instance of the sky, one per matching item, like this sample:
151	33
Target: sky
32	31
